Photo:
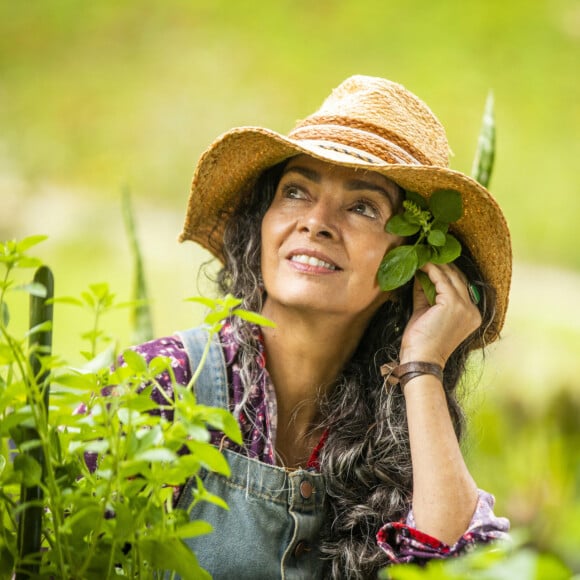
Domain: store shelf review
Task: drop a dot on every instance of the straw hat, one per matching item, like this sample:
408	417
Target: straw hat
366	122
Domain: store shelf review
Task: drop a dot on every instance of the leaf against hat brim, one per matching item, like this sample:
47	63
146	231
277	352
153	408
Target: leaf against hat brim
447	253
417	198
446	205
397	267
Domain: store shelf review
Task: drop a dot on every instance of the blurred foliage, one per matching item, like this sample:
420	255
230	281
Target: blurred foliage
101	96
528	455
96	95
492	562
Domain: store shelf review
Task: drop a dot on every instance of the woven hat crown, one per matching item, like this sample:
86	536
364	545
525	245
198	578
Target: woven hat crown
379	117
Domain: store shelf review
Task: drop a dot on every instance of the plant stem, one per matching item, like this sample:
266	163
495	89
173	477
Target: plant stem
30	524
201	362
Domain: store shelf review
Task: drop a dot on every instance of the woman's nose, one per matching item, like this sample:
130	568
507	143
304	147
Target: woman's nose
320	221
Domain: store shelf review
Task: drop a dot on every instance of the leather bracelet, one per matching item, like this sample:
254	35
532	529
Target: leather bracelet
402	374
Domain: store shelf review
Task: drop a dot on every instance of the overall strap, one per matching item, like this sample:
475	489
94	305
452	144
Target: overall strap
211	387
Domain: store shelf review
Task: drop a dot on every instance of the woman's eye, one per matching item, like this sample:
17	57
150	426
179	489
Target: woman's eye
366	209
293	192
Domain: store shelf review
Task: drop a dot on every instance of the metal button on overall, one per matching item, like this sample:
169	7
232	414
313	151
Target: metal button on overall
306	489
301	548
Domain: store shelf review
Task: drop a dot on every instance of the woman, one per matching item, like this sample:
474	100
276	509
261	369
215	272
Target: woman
341	472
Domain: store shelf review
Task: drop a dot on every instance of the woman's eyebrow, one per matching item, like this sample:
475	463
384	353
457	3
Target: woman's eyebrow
392	196
306	172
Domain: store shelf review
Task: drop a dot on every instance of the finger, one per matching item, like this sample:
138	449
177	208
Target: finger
457	278
474	293
446	280
449	280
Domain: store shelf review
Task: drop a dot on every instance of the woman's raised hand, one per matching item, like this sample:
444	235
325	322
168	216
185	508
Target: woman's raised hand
434	332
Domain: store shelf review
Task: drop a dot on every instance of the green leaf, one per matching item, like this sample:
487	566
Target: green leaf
222	420
7	355
440	225
209	457
159	364
202	494
209	302
428	287
253	317
449	252
33	288
400	226
135	361
424	253
417	198
128	416
159	454
101	291
29	468
67	300
28	242
83	521
194	529
45	326
100	446
436	238
446	205
28	262
81	381
397	267
103	360
216	316
173	554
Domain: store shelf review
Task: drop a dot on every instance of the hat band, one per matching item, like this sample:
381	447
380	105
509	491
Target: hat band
338	151
385	150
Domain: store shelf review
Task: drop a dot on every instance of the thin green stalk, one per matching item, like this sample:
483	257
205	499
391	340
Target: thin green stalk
141	314
111	483
201	363
485	153
14	346
30	524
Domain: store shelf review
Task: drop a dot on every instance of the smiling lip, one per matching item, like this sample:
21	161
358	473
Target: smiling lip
313	261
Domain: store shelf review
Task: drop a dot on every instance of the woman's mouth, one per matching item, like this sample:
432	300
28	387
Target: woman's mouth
312	261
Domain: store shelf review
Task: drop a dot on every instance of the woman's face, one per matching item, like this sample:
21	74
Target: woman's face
323	238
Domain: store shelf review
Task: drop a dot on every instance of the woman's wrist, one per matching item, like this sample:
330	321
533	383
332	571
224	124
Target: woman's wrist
401	374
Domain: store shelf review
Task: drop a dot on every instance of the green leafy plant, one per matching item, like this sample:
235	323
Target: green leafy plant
428	222
119	517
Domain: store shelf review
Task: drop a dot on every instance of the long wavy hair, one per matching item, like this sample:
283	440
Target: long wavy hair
366	458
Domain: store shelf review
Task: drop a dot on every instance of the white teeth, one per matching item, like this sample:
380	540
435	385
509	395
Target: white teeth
311	261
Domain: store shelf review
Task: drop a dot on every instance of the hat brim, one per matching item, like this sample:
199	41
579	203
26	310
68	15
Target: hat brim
229	168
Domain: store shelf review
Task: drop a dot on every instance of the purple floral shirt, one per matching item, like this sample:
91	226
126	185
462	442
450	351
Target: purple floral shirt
401	541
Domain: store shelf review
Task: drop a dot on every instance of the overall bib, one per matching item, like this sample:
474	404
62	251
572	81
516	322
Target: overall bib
272	527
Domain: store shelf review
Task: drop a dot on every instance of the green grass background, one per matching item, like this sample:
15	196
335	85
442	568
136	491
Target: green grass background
100	96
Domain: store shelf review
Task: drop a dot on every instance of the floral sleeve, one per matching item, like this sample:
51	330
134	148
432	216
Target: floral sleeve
403	543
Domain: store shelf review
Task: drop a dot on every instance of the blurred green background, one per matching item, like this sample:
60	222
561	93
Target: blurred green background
97	97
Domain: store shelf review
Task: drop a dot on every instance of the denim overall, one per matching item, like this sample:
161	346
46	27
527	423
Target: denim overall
271	529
